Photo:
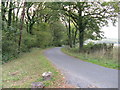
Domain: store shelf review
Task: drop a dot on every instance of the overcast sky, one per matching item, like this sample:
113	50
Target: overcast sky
111	31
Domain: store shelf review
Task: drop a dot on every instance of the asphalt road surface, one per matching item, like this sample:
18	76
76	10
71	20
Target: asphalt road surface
80	73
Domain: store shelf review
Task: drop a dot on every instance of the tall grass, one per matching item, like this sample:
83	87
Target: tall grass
21	72
108	59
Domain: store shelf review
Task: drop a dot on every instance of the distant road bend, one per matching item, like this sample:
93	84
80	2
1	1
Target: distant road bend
80	73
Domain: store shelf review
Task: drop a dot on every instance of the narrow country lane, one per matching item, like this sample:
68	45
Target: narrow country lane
80	73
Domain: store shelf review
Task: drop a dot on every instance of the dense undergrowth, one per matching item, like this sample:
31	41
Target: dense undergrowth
108	59
42	37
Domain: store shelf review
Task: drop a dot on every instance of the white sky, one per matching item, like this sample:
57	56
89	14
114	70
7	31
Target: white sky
111	31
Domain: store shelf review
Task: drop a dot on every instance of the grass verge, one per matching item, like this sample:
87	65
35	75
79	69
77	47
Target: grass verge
21	72
90	58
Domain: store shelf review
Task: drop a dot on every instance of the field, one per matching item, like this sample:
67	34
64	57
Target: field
98	57
28	68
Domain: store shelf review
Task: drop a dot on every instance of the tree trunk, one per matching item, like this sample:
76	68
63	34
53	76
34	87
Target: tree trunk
10	14
21	27
30	27
74	40
81	39
17	15
27	27
13	19
81	30
69	34
3	13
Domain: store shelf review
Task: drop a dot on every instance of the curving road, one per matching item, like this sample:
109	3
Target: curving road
80	73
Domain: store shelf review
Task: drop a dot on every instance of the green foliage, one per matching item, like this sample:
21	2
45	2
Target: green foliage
88	18
93	47
9	46
28	42
97	58
89	45
43	35
43	39
44	25
58	33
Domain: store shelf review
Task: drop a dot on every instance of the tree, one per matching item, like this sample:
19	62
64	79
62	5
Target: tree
30	17
83	12
21	26
43	35
57	30
10	13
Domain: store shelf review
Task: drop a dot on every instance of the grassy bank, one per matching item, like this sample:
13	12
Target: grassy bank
21	72
93	58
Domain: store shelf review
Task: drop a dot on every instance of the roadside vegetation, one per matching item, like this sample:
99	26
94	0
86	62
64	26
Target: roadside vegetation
28	68
42	24
96	54
27	25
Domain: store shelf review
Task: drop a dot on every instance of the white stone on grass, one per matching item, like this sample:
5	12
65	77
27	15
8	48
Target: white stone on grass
47	75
